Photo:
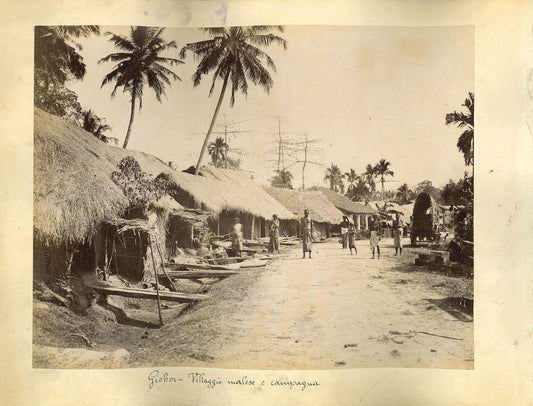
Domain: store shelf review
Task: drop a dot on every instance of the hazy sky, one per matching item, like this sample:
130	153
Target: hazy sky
366	92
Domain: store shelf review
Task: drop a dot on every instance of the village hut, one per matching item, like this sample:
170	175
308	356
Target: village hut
358	212
321	210
78	208
227	194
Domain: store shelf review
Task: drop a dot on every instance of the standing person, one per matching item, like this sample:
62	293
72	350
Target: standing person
375	239
344	231
397	230
307	233
351	238
273	245
236	237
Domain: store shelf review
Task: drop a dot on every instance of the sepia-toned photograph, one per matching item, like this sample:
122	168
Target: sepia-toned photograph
253	197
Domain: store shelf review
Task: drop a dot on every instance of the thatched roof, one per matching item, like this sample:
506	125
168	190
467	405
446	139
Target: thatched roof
320	208
169	204
226	189
73	190
343	203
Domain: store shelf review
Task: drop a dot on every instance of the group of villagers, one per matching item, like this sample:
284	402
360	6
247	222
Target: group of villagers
307	234
348	233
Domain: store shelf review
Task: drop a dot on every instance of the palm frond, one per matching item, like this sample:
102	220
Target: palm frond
266	40
200	47
170	61
120	42
116	57
166	71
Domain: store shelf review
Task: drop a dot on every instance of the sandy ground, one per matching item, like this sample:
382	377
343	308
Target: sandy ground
333	311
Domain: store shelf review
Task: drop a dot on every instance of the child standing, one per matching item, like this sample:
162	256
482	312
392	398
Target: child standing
351	239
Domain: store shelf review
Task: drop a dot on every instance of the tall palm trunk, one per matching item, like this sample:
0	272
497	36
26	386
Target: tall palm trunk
132	116
382	188
213	120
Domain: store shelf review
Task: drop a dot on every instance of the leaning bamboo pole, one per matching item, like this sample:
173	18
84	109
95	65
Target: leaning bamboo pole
156	281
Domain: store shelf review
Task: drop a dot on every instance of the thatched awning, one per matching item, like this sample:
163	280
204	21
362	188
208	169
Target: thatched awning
320	208
228	190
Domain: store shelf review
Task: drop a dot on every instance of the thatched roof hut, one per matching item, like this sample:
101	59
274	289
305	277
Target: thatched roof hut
320	208
73	189
343	203
230	190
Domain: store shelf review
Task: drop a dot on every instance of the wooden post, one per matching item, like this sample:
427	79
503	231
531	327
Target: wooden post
70	257
253	224
358	222
163	266
105	249
115	254
156	281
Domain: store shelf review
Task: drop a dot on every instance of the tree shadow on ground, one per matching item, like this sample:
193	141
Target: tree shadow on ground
459	307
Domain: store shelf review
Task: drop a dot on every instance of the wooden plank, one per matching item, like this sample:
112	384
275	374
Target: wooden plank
147	294
178	265
201	273
253	263
224	261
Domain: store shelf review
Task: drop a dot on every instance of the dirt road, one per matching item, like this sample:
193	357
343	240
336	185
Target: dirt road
333	311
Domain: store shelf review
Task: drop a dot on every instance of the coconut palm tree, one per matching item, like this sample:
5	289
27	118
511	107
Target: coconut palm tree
465	143
359	191
334	176
369	176
95	125
351	177
140	63
283	179
218	151
403	194
56	60
56	52
233	54
382	169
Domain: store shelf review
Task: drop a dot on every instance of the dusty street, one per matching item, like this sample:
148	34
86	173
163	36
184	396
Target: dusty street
333	311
